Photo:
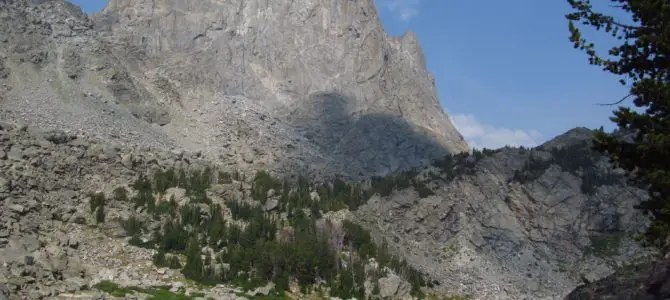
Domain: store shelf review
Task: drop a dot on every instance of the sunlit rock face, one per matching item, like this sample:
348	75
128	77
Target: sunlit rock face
325	69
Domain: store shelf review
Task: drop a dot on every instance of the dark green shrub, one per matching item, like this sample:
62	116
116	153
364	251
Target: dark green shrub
164	180
423	190
263	182
225	178
120	194
162	260
96	200
132	226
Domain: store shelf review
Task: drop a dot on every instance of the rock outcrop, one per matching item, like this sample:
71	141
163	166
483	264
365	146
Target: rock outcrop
643	281
305	86
515	223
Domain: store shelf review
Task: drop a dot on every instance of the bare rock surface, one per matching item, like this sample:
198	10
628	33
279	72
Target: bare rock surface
515	223
50	244
312	87
645	281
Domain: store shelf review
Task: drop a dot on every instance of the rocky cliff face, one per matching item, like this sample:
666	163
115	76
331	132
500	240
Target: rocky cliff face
515	223
253	83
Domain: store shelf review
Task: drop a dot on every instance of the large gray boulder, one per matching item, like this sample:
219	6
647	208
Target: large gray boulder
393	287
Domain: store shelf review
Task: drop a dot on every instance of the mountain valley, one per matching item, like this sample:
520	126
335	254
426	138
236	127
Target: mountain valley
247	149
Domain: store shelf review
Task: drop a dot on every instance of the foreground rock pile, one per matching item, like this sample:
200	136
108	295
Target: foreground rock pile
49	243
54	246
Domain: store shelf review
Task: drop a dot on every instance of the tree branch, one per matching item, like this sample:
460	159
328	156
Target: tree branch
607	19
615	103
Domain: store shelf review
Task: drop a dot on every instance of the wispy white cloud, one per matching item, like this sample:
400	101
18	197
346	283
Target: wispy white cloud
406	9
481	135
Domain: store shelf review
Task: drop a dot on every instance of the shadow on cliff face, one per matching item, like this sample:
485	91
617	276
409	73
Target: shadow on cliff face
366	144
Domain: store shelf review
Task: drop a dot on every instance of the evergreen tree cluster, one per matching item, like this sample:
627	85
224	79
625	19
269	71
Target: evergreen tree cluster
532	169
593	178
386	185
97	205
262	183
461	164
452	166
577	159
247	251
331	196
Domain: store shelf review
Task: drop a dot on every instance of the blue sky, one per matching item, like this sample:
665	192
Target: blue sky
505	70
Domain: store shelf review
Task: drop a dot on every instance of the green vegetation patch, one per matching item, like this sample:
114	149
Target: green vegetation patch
436	297
271	296
269	247
155	293
462	164
112	288
606	245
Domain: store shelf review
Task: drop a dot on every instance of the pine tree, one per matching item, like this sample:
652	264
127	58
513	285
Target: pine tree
144	196
174	237
182	179
120	194
100	214
216	228
194	265
641	59
96	200
132	226
159	259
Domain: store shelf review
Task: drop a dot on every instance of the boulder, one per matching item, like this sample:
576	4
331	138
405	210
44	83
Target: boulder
264	290
393	287
178	194
5	185
17	208
314	196
127	160
15	153
271	204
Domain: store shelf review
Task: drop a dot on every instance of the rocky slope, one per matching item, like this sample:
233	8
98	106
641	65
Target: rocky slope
515	223
644	281
47	246
56	244
507	224
252	83
58	74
